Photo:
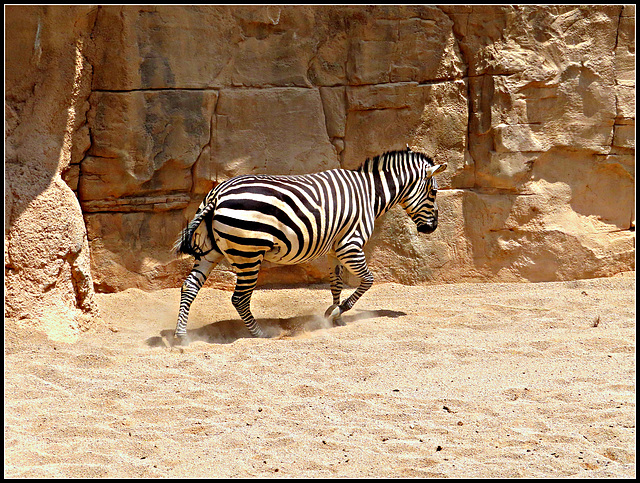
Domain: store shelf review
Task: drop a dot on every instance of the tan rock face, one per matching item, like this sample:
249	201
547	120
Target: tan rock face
48	282
531	107
144	143
291	139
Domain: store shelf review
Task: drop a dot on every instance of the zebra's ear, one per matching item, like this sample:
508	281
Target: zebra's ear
438	168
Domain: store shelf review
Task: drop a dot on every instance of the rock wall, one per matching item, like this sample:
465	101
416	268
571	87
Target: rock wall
532	107
48	283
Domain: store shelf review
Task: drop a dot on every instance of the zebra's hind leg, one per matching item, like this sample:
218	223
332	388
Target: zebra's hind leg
190	288
241	299
333	313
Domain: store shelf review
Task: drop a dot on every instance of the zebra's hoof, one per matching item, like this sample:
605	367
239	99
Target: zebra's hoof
333	314
179	339
258	334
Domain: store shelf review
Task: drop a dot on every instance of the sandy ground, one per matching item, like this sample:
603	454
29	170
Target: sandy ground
464	380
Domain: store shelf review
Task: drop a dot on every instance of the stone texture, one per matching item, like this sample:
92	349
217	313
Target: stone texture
48	282
129	249
144	142
271	46
158	47
291	139
532	108
549	83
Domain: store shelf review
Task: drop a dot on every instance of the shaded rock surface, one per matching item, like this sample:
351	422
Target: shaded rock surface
48	280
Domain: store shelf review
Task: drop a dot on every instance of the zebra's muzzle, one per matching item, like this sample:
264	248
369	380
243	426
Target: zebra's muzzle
428	227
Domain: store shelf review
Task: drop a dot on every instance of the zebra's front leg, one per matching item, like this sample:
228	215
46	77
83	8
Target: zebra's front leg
190	289
353	258
241	299
333	313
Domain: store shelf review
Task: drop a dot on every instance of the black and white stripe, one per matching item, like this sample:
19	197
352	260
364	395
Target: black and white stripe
294	219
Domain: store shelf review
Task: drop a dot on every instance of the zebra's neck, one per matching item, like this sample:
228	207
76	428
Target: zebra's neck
391	176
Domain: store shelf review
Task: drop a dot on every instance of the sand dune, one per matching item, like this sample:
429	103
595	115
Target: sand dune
464	380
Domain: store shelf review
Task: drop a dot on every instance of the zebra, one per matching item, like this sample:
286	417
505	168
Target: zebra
292	219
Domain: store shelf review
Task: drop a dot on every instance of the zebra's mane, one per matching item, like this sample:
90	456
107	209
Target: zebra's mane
383	161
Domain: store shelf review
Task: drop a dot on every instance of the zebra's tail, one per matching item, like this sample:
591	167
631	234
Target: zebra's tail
185	243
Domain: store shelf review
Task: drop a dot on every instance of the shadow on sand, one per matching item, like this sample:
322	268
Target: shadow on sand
230	330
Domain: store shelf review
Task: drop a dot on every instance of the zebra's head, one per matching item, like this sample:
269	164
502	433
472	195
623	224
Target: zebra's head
420	202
